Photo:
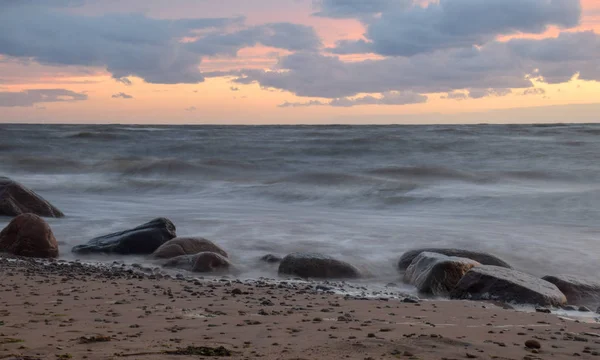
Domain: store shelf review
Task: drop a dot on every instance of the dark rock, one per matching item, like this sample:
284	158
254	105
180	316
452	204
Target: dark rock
533	344
271	259
437	274
186	246
29	235
202	262
584	309
578	291
543	310
144	239
316	266
16	199
507	285
485	259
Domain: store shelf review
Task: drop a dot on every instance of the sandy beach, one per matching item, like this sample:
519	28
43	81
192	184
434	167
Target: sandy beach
68	310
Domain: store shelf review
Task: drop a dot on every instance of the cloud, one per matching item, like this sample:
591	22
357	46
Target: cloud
233	88
122	95
456	95
496	65
388	98
451	24
534	91
287	36
481	93
124	81
127	44
190	109
35	96
357	8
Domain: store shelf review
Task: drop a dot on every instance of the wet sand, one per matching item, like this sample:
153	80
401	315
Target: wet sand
64	311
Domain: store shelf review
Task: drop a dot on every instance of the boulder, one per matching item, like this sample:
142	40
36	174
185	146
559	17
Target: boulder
186	246
202	262
29	235
577	290
142	240
316	266
482	258
271	259
437	274
507	285
16	199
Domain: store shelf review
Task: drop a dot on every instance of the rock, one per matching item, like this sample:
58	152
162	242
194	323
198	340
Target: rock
16	199
186	246
271	259
485	259
144	239
437	274
316	266
29	235
202	262
507	285
533	344
578	291
584	309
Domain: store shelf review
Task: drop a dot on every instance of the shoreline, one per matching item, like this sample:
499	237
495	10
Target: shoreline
63	310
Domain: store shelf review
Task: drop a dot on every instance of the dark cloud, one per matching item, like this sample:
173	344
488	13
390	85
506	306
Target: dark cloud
122	95
35	96
534	91
233	88
496	65
124	81
481	93
133	44
279	35
458	23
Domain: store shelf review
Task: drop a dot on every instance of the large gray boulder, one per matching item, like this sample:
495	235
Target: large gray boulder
437	274
142	240
579	291
507	285
317	266
186	246
30	236
16	199
483	258
204	262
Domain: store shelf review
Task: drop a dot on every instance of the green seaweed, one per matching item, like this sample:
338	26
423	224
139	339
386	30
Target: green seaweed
93	339
10	341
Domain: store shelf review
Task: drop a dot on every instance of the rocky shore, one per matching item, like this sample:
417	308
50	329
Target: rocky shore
61	310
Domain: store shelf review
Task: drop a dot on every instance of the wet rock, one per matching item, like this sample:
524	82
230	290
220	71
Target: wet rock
142	240
29	235
186	246
578	290
203	262
483	258
437	274
507	285
271	259
16	199
317	266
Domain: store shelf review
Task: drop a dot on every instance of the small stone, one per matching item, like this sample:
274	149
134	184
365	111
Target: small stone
533	344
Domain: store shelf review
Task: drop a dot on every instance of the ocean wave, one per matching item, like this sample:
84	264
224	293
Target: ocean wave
100	135
427	172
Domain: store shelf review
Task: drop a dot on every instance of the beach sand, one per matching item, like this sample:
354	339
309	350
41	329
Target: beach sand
65	310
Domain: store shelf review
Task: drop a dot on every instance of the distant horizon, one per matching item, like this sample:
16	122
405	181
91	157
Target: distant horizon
299	61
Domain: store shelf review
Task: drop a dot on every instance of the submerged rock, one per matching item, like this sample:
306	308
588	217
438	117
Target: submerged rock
186	246
483	258
437	274
507	285
202	262
142	240
317	266
271	259
29	235
16	199
577	290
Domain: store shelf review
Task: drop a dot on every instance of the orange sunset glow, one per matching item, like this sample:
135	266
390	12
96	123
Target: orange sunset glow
252	83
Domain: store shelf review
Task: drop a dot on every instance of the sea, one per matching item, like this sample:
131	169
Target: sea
529	194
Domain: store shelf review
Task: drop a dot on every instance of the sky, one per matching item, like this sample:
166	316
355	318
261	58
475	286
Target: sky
299	61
